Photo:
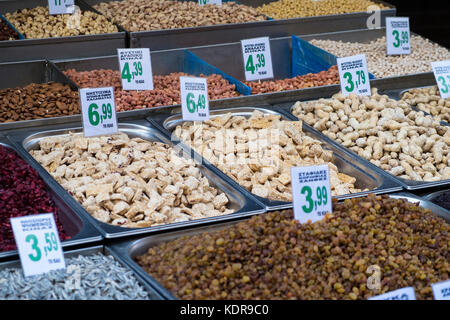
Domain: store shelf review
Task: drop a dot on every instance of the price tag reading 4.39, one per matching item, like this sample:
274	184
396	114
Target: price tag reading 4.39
61	6
353	75
441	70
135	69
38	244
311	192
257	58
194	99
99	111
397	36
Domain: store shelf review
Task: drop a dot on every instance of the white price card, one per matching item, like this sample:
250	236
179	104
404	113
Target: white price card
61	7
311	192
216	2
194	98
353	75
98	110
397	35
441	70
38	243
135	69
400	294
441	290
257	58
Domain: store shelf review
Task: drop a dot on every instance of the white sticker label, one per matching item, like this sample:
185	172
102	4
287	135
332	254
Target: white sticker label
38	243
397	36
194	98
216	2
353	75
441	290
257	58
311	192
441	70
99	111
61	7
400	294
135	69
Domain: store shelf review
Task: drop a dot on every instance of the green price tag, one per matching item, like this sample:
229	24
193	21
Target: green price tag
397	36
257	58
135	69
61	7
354	75
194	98
441	70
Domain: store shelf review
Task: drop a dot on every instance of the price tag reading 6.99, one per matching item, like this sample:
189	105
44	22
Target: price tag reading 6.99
194	99
353	75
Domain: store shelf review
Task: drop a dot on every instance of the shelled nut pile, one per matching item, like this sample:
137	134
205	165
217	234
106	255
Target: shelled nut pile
36	101
166	88
323	78
406	143
285	9
429	100
272	256
259	152
37	23
22	193
382	65
130	182
91	277
141	15
6	32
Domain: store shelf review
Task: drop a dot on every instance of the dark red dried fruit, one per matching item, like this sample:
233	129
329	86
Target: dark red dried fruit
22	193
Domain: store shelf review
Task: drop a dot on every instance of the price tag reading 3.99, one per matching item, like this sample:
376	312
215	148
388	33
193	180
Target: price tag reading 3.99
38	244
99	111
397	35
257	58
135	69
194	98
353	75
441	70
61	7
311	192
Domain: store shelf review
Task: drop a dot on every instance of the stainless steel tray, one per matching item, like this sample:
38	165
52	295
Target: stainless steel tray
154	295
75	225
431	196
242	202
60	47
129	250
367	176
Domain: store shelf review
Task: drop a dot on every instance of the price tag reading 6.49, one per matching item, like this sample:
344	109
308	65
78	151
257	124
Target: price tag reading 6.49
194	99
353	75
98	111
38	244
311	192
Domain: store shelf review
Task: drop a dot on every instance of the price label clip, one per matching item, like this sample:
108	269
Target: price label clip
257	58
194	98
353	75
135	69
397	35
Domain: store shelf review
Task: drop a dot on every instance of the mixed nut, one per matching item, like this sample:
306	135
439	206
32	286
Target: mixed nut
6	32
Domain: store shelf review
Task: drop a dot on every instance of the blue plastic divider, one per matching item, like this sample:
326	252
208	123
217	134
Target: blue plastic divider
196	66
21	36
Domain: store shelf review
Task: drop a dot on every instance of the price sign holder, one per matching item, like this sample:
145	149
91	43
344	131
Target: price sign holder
61	7
38	244
400	294
397	35
216	2
311	192
257	58
441	290
194	98
441	70
135	69
353	75
98	110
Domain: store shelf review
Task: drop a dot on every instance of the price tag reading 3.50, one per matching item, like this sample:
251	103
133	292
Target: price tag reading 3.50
38	243
400	294
257	58
311	192
194	99
99	111
135	69
397	36
441	70
353	75
61	6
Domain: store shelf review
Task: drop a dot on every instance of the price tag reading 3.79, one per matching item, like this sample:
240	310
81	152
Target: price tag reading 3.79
257	58
194	98
38	244
397	35
311	192
353	75
135	69
99	111
441	70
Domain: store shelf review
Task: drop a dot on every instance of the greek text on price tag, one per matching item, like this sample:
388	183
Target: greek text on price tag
257	58
61	6
353	75
38	243
311	192
135	69
441	290
194	99
397	35
441	70
99	111
216	2
400	294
